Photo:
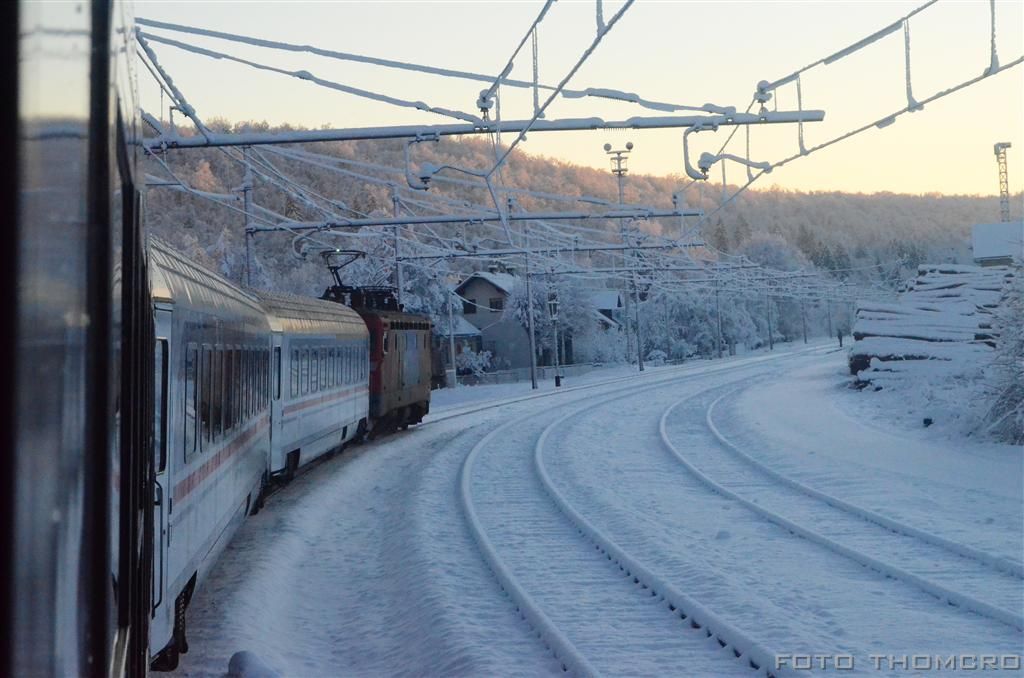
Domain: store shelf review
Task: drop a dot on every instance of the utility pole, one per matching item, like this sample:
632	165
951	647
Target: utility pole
1004	185
529	325
247	207
619	169
718	319
768	311
396	209
529	299
453	375
553	311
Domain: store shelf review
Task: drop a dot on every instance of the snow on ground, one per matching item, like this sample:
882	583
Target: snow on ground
791	595
866	447
366	565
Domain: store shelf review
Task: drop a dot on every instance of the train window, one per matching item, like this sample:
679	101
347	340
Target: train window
191	367
314	372
304	366
217	392
331	365
160	406
255	388
385	343
236	385
227	365
247	384
295	372
323	369
230	393
263	357
257	380
277	373
206	399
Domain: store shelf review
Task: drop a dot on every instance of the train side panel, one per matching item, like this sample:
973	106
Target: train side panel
214	440
321	369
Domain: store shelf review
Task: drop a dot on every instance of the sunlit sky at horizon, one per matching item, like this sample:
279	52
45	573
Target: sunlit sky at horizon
679	52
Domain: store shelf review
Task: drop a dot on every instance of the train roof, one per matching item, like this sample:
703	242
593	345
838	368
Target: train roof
400	318
175	279
306	315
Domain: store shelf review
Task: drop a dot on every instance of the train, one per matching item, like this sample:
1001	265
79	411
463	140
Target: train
249	387
150	402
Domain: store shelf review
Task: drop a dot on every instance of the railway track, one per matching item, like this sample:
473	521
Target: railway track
955	574
789	595
1014	568
595	606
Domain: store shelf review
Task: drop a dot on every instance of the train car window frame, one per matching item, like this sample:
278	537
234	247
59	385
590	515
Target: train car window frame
304	371
263	356
191	400
295	372
250	383
229	388
236	384
314	371
254	384
206	397
217	392
161	355
277	373
322	353
332	358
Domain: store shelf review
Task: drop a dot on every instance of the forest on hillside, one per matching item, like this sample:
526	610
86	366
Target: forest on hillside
876	238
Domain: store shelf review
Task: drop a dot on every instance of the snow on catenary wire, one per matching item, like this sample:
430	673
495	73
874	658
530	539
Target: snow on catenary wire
598	92
309	77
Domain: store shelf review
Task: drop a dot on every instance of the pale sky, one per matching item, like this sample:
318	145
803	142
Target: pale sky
675	51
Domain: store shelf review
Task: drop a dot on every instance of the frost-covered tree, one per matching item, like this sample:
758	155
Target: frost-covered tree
469	361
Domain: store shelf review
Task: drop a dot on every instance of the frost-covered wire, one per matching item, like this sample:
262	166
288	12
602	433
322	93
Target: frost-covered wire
322	82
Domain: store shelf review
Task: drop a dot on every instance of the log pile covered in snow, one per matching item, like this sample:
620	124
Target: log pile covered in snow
940	327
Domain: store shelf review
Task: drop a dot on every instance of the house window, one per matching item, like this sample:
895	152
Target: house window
497	303
468	306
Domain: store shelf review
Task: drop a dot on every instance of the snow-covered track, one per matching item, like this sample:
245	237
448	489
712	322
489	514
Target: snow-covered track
991	560
631	379
563	650
741	475
728	637
625	601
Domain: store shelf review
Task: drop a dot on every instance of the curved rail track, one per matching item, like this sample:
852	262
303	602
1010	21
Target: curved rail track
592	603
985	588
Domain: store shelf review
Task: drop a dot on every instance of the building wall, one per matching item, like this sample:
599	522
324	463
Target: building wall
507	340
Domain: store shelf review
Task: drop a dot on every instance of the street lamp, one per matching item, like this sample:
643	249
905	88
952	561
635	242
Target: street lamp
619	169
553	312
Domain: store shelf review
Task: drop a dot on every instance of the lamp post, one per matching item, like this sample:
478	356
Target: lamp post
619	169
553	312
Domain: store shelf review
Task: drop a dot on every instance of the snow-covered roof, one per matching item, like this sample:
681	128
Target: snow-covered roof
463	328
606	300
990	241
503	281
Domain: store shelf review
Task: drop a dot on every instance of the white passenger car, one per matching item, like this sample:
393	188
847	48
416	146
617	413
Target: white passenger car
211	429
320	365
